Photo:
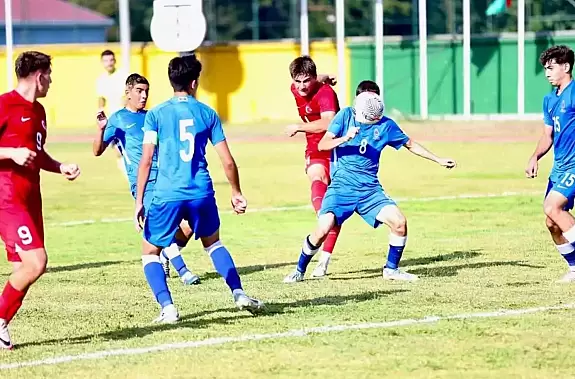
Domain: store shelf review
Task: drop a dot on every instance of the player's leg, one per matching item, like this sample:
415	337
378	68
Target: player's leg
204	219
173	254
336	208
377	208
565	248
162	219
317	171
23	236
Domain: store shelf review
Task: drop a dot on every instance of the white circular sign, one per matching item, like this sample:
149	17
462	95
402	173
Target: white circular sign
178	25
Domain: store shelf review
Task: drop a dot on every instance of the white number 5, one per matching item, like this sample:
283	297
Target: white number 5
185	135
568	179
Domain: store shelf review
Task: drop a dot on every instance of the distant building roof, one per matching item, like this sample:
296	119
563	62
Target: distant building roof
52	12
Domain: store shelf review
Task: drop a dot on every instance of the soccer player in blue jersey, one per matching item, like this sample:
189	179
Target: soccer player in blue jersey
125	129
358	135
179	130
559	132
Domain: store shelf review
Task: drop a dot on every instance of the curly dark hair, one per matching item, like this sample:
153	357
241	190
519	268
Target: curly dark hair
561	54
31	61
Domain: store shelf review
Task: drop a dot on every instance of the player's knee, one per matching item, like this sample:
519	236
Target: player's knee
552	226
325	223
36	267
317	173
398	226
552	209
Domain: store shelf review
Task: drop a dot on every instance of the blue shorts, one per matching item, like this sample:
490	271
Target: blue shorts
163	219
343	203
564	189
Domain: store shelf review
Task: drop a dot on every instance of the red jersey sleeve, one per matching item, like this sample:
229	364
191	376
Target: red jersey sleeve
3	116
327	99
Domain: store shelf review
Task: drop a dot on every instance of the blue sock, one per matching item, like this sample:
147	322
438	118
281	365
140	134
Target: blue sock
567	251
307	252
172	252
396	247
224	265
157	279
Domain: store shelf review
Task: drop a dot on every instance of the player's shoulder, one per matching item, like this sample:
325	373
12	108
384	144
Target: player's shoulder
8	97
325	90
388	122
159	108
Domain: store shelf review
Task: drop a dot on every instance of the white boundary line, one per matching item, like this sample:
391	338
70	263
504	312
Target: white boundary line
303	207
274	336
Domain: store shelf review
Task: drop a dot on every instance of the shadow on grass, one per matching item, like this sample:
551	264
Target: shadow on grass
199	320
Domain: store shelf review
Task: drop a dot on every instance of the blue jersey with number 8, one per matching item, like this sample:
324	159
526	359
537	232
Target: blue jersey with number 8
182	127
559	114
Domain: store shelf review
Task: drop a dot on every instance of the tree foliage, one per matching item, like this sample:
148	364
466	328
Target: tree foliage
277	19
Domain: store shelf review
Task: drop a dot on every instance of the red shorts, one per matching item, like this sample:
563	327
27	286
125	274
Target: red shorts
319	158
21	229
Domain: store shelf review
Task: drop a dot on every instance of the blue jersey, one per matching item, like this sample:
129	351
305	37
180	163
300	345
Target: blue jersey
182	127
356	162
125	129
559	114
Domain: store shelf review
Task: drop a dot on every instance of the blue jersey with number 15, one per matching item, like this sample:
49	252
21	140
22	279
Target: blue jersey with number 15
183	126
559	114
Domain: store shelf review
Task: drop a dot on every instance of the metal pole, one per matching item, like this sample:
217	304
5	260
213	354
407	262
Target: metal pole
379	45
340	44
125	39
9	44
466	58
521	57
423	59
304	28
255	20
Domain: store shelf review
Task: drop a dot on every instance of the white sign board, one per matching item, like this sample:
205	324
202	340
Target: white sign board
178	25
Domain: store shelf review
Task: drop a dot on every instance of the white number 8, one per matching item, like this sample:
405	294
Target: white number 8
39	141
25	235
363	146
187	156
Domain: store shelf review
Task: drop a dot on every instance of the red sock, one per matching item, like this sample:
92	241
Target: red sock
318	189
10	302
331	239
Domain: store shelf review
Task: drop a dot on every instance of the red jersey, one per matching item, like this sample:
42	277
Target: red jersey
22	124
310	108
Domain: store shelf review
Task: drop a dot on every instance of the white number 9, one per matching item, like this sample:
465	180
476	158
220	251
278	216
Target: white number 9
25	235
185	135
39	141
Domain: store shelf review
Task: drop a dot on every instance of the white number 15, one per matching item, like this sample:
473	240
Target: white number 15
186	135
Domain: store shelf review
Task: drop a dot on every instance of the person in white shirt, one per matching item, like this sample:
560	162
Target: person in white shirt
110	88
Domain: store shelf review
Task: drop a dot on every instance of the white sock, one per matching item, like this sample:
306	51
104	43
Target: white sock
325	257
172	251
570	235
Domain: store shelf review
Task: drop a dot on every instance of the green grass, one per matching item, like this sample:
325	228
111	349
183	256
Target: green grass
473	255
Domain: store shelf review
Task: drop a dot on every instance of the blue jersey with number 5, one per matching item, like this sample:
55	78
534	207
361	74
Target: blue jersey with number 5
183	126
356	162
559	114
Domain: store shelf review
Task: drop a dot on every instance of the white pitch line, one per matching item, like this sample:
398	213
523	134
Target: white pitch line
273	336
304	207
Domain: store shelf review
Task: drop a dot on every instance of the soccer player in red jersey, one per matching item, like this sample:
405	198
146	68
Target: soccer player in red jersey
22	156
317	104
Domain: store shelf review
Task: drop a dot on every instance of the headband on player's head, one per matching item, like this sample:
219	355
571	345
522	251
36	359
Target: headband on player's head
368	108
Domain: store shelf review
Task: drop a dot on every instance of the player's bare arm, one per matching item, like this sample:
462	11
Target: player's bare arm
543	146
148	149
330	142
98	145
419	150
20	155
69	170
239	202
318	126
327	79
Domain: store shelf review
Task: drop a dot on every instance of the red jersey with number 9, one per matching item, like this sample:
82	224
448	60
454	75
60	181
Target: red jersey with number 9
22	124
310	108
